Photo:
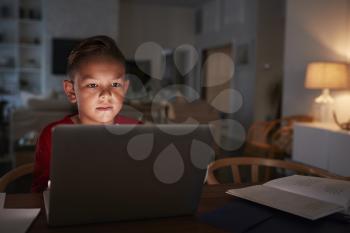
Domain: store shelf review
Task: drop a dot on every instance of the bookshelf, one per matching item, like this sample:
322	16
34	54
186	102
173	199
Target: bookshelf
21	49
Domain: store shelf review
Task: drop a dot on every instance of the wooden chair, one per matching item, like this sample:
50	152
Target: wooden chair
272	139
14	174
255	163
25	120
282	138
258	139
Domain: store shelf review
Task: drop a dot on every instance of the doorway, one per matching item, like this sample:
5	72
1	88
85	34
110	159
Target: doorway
218	68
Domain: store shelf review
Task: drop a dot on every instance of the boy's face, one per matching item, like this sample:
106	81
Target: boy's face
98	88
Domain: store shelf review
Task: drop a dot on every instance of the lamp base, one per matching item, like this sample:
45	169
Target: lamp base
325	97
324	107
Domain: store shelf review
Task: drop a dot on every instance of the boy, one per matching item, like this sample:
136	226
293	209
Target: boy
97	84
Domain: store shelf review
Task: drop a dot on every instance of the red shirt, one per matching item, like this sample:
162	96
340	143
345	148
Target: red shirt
43	151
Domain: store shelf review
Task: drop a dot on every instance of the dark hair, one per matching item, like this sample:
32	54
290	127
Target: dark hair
96	46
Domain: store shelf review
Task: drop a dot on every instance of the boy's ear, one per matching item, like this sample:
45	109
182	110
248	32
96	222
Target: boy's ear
126	85
68	86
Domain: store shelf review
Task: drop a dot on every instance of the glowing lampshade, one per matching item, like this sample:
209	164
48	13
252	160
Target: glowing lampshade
321	75
326	75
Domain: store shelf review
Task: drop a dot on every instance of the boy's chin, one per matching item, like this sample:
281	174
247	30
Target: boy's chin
105	119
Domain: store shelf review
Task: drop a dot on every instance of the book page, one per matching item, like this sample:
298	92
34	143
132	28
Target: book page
329	190
2	200
289	202
17	220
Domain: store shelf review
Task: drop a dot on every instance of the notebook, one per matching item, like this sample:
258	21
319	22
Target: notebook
305	196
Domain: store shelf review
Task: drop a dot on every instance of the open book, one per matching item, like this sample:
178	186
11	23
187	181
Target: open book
305	196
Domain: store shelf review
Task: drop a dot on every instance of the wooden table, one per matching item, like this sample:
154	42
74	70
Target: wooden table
212	197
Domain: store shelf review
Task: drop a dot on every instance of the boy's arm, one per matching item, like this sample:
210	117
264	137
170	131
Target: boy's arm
42	161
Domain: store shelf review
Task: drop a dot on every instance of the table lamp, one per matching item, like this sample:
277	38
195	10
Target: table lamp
326	76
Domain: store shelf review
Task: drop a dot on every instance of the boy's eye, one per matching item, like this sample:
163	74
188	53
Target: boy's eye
91	85
116	84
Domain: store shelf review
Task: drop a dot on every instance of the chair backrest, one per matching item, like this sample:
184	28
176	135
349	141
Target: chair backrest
255	163
282	138
14	174
257	140
23	121
259	131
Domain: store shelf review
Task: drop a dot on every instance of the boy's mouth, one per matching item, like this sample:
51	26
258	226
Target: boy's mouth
107	108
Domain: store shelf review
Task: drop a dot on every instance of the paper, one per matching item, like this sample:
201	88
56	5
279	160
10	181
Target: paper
17	220
329	190
2	200
286	201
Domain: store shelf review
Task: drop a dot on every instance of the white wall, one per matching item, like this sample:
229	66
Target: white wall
76	19
167	26
163	25
269	58
315	30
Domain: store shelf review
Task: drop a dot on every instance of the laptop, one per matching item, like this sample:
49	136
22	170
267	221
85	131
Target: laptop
126	172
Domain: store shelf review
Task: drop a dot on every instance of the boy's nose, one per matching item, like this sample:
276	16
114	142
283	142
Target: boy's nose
105	92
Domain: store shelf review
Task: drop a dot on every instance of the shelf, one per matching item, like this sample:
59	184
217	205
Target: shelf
30	21
8	69
7	44
22	41
30	46
7	96
8	20
29	70
22	70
